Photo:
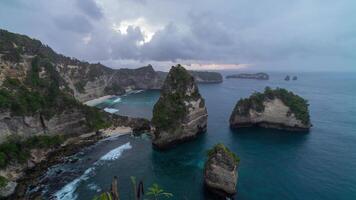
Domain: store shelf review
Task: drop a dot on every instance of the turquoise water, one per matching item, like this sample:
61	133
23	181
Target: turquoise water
274	164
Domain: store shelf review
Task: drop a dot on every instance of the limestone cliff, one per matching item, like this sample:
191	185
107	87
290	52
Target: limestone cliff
277	108
220	172
180	113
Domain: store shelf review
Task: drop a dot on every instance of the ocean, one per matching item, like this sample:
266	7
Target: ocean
275	164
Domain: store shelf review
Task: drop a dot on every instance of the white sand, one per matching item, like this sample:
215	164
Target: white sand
117	131
94	102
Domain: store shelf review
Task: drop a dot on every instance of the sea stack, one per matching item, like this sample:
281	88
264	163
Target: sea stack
274	108
220	173
287	78
180	113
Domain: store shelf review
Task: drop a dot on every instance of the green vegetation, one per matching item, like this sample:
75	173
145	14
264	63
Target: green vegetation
155	192
3	181
222	148
168	111
296	104
103	196
114	89
80	86
17	150
95	119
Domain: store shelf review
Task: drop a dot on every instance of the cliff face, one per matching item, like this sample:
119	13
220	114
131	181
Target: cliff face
278	109
180	113
39	88
68	122
220	173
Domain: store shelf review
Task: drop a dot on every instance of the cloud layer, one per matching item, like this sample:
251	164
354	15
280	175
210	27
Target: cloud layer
276	34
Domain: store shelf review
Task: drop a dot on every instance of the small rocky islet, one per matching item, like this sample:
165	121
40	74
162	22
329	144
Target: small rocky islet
274	108
220	171
180	113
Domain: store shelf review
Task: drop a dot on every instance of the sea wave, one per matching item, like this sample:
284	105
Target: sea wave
111	110
68	191
117	100
116	153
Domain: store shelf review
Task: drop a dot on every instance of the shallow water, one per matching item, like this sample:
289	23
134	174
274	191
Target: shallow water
274	164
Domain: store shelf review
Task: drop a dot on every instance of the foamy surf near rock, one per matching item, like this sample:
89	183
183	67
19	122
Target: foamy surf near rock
117	100
116	153
68	191
111	110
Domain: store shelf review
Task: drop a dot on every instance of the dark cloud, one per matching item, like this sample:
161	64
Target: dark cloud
76	23
298	33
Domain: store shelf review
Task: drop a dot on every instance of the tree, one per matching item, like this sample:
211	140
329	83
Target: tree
156	193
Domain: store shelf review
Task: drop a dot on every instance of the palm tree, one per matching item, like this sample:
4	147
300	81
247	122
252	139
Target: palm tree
156	193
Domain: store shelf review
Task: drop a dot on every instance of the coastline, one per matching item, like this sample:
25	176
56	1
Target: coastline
31	175
74	145
97	101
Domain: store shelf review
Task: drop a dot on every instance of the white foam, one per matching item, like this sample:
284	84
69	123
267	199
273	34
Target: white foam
137	91
111	110
68	191
94	187
116	153
117	100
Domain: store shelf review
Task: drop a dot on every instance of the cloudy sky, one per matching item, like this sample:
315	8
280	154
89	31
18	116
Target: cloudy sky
212	34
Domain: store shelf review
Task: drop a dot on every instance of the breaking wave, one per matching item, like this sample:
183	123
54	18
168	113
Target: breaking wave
68	191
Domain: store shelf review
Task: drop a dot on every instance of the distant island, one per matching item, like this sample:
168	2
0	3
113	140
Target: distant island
200	76
257	76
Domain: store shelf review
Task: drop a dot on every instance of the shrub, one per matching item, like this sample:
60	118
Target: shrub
3	181
221	147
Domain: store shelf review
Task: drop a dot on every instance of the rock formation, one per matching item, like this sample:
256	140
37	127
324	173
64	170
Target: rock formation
180	113
199	76
276	108
258	76
220	173
287	78
295	78
206	77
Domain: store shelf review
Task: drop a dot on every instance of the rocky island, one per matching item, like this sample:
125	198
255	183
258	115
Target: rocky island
220	172
180	113
274	108
257	76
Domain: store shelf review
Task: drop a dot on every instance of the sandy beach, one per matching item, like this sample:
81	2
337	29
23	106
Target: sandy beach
96	101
